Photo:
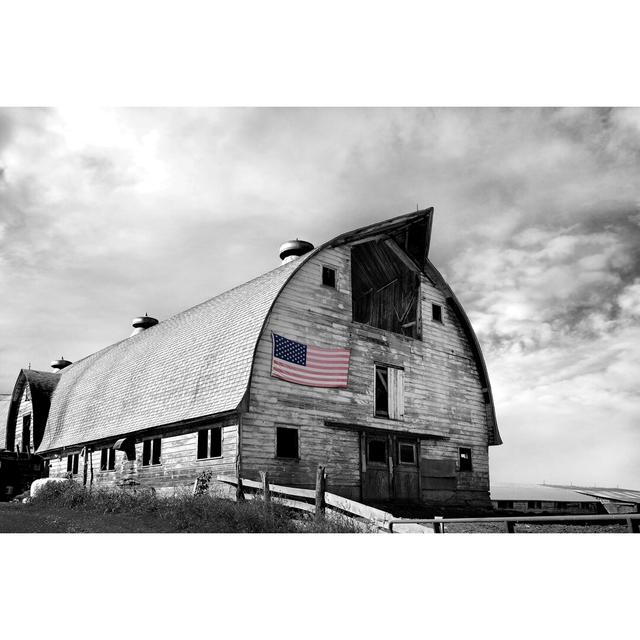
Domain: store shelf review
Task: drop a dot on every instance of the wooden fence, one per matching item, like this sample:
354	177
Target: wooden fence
509	523
318	501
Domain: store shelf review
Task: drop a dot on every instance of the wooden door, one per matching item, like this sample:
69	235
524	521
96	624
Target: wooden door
406	471
376	484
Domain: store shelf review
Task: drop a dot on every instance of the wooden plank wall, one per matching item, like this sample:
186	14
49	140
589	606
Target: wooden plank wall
442	390
178	469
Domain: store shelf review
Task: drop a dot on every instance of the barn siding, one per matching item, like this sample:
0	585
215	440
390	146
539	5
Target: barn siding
178	469
443	394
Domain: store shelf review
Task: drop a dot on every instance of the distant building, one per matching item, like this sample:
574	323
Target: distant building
613	500
536	498
355	355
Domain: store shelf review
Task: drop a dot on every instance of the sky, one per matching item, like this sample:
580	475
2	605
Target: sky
107	214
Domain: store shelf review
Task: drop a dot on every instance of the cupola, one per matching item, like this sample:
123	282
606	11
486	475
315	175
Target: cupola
142	323
293	249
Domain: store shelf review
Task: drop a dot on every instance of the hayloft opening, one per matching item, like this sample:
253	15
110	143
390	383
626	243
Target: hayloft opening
436	313
385	288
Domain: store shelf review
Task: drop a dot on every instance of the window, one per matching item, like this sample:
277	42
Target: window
505	504
436	312
534	504
210	443
465	458
407	452
151	451
377	451
72	463
107	460
26	433
389	392
286	442
329	277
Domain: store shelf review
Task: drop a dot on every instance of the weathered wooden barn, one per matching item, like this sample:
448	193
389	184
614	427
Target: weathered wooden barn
355	355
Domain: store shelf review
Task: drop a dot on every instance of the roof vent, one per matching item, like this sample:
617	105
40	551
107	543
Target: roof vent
142	323
294	249
60	364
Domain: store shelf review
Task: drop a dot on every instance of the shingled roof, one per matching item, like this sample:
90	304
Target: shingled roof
41	384
196	363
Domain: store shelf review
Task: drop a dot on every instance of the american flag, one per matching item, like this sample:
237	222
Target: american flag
312	366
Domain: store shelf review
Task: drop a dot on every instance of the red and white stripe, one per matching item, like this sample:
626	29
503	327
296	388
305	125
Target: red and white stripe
325	368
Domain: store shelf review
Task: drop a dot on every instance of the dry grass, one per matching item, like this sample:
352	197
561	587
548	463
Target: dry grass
69	507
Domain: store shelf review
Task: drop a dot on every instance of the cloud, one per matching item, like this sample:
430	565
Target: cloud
107	214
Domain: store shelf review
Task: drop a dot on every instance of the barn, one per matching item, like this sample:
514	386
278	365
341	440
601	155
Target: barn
355	355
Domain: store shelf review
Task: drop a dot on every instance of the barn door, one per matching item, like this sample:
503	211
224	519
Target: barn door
406	472
376	482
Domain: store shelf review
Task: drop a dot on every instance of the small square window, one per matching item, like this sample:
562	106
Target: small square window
209	443
329	277
377	451
407	453
465	458
436	313
286	442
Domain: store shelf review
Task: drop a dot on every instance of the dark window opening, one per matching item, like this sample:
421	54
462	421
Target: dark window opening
73	461
465	458
389	392
210	443
329	277
107	460
505	504
286	442
385	291
382	391
377	451
436	312
26	433
534	504
407	453
151	452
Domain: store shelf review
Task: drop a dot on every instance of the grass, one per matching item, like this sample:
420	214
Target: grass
69	507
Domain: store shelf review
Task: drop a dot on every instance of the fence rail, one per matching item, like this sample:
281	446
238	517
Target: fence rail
631	520
318	500
299	498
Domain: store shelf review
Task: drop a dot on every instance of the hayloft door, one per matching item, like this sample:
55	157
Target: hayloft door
376	481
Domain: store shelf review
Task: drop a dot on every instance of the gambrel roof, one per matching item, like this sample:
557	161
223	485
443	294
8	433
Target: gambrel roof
41	385
197	363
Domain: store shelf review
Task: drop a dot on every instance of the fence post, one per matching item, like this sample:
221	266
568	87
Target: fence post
438	527
266	493
239	491
509	526
321	481
632	525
